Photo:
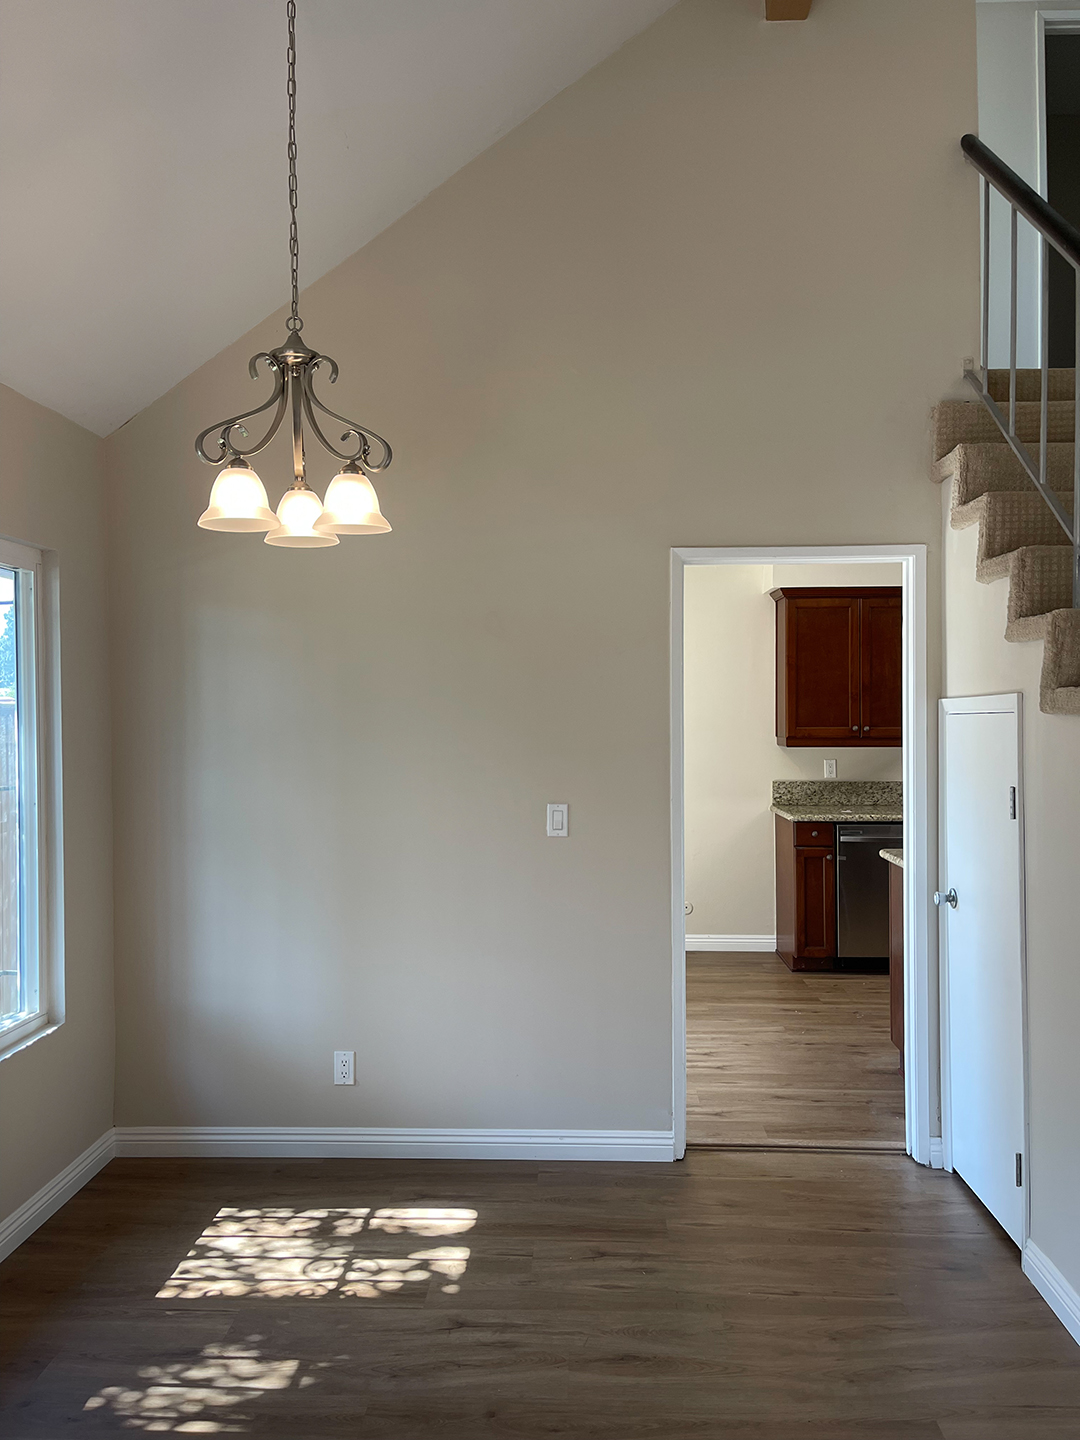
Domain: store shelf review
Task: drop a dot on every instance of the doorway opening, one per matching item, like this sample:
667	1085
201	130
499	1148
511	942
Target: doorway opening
798	755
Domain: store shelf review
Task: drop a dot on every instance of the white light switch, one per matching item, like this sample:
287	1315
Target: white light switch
558	820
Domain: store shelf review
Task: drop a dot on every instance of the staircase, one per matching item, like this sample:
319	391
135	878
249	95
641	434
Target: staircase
1019	538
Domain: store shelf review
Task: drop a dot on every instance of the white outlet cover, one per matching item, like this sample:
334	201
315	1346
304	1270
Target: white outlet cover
344	1067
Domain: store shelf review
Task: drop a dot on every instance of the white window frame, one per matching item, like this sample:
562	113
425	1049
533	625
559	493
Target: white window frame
40	836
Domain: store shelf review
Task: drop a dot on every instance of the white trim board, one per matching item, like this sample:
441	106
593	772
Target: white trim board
1053	1287
921	1075
22	1223
359	1143
731	942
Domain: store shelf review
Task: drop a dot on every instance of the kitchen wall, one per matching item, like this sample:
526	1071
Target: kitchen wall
731	754
707	295
56	1095
979	661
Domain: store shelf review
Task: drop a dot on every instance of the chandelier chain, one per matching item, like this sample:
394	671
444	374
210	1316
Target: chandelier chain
294	323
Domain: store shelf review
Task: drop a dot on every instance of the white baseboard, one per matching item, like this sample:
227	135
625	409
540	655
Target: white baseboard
26	1219
937	1153
346	1142
1053	1287
731	942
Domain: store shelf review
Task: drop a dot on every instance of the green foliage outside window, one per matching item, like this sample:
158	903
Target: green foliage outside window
7	652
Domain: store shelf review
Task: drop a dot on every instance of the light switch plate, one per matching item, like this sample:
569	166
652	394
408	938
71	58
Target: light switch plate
558	821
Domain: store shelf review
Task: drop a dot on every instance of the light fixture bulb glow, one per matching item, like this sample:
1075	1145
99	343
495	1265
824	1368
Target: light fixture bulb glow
297	513
238	501
351	507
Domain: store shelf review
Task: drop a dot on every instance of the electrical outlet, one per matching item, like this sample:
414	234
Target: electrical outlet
344	1067
830	769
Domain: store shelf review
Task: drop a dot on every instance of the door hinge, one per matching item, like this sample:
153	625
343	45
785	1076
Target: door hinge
1019	1171
1012	802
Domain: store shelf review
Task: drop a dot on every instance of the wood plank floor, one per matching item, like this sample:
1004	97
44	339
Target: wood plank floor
774	1056
734	1296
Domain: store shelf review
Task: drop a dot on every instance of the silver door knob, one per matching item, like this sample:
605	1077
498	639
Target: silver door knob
945	897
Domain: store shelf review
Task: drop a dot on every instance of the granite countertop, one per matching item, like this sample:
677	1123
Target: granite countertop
894	857
883	814
832	800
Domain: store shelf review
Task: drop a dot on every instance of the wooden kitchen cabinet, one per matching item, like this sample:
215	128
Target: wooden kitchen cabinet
839	666
806	894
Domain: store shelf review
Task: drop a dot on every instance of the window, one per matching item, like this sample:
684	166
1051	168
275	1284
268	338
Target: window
24	971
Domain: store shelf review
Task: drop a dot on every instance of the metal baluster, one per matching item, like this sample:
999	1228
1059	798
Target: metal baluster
1076	453
1044	369
986	281
1012	318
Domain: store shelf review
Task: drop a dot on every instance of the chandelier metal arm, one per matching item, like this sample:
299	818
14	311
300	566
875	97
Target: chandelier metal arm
364	436
296	396
227	447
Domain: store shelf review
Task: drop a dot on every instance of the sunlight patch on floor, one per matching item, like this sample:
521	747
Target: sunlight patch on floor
308	1254
198	1398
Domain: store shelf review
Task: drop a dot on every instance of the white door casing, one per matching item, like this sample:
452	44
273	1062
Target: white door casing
983	989
921	1073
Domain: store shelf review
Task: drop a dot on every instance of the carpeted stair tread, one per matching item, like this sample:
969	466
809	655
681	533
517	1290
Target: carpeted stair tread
1009	522
976	469
1020	538
956	422
1059	688
1040	581
1062	384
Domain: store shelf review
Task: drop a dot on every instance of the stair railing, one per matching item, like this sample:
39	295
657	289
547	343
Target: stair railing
1054	230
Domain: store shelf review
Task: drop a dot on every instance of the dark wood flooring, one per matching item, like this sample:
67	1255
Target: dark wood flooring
735	1296
776	1057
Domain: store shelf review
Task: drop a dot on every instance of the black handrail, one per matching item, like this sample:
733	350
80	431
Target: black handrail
1064	237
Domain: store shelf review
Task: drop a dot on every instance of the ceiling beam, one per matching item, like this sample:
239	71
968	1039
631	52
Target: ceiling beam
787	9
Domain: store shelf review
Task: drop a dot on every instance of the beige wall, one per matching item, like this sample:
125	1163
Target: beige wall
731	755
707	295
56	1095
979	661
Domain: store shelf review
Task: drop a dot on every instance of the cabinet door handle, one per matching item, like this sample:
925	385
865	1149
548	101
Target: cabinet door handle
865	729
828	857
855	728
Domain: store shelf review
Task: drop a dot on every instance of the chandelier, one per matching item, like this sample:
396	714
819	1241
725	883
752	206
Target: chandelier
238	500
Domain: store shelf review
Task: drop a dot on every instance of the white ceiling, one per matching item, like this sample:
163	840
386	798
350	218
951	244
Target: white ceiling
143	200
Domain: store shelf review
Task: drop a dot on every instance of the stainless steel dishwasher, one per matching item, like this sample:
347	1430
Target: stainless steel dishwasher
862	889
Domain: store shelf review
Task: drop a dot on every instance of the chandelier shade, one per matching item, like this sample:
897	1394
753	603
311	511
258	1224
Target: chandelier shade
351	506
238	500
300	508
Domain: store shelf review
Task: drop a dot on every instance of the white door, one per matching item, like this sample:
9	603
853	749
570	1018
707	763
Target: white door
982	868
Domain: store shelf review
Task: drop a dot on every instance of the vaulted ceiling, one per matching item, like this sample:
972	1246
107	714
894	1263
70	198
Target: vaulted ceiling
143	205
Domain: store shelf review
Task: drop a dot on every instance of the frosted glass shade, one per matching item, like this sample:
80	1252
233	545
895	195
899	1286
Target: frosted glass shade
238	501
297	514
351	507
